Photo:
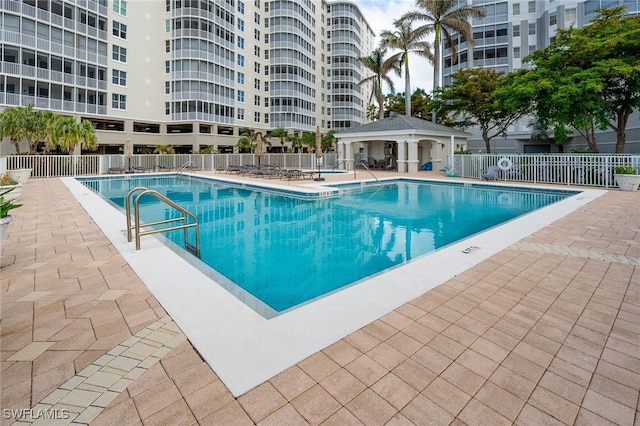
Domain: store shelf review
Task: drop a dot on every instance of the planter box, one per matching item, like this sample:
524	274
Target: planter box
21	175
4	224
13	195
627	182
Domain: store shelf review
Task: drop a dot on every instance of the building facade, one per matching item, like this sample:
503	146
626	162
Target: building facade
186	73
512	29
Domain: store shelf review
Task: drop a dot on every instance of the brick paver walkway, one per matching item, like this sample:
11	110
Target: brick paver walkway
545	332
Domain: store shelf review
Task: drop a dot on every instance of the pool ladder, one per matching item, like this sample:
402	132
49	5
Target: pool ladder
186	214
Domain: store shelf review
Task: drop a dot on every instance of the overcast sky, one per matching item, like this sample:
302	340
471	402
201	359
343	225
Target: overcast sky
380	14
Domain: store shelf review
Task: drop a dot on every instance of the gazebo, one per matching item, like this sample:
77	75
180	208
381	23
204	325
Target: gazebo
400	143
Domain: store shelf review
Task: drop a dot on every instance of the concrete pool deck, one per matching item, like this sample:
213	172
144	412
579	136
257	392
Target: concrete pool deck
545	329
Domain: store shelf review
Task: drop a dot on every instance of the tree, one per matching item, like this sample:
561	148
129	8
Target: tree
406	40
281	134
420	104
443	18
380	69
295	140
328	140
588	79
308	139
470	101
12	125
164	149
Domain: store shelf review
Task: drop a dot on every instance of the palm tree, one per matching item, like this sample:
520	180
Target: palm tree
295	140
328	140
406	41
444	18
281	134
380	68
12	125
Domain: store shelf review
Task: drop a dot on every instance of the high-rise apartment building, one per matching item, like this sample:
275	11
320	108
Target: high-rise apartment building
188	73
512	29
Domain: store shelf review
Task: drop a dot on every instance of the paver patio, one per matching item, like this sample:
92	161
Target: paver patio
544	332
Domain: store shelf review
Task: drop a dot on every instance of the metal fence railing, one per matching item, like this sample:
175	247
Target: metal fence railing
564	169
88	165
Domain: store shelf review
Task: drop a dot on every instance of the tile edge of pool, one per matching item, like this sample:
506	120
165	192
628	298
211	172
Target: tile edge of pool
245	349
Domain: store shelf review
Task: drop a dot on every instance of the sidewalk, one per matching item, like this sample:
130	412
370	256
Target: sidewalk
547	331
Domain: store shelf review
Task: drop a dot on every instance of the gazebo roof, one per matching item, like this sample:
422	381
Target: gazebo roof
402	123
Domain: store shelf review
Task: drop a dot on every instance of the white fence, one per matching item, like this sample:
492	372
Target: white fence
88	165
565	169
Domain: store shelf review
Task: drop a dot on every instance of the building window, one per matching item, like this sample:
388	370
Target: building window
119	30
552	18
256	51
266	87
120	7
257	3
119	54
240	24
241	60
256	100
256	117
119	78
167	46
241	42
516	52
266	116
532	7
256	67
532	29
516	9
266	101
516	30
240	115
167	67
241	7
118	101
167	108
256	18
240	95
167	87
256	34
570	16
532	48
256	84
240	78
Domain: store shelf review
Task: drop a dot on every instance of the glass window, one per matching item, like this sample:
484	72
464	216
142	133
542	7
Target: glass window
241	42
241	7
552	18
119	78
240	24
118	101
256	117
119	30
120	7
119	54
516	8
532	29
532	7
241	78
516	30
240	114
256	34
241	60
570	16
256	100
256	83
240	95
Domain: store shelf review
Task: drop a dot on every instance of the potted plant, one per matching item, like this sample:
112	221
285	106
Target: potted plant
6	205
21	175
9	184
627	178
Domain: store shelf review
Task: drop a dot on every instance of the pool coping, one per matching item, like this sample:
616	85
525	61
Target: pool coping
245	349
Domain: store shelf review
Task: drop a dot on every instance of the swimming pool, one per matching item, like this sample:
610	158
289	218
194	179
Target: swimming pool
276	250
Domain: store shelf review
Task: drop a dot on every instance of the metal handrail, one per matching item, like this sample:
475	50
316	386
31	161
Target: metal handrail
185	165
370	172
193	249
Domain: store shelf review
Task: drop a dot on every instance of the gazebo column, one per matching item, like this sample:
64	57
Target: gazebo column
412	156
402	156
348	156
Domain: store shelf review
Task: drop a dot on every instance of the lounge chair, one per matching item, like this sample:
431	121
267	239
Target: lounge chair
490	174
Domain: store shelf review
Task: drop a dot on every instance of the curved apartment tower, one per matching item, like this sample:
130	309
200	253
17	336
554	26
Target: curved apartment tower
187	73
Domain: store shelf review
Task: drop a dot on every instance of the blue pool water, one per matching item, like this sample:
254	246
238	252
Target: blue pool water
285	249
